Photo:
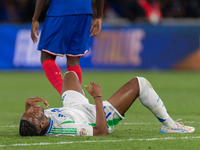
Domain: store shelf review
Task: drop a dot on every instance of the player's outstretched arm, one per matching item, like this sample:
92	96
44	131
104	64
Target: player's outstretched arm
97	23
33	100
101	124
35	24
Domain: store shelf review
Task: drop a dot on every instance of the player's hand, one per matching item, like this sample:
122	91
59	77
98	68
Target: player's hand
96	27
34	28
33	100
95	89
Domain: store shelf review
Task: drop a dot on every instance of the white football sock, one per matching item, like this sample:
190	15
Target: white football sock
151	100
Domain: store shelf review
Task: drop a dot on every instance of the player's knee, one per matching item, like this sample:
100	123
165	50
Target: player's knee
133	85
70	74
134	81
143	84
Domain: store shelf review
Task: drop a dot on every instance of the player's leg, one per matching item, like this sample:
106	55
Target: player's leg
78	45
71	82
139	86
152	101
51	45
52	71
127	94
73	65
46	56
123	98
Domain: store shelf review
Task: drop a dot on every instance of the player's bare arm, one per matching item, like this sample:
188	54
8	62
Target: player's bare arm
96	27
97	23
35	24
101	124
33	100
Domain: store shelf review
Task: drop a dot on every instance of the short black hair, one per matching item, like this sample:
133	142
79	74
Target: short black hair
27	129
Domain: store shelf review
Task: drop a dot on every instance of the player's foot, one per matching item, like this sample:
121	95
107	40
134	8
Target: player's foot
178	128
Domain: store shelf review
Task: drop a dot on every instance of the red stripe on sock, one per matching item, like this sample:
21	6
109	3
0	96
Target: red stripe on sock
76	69
53	73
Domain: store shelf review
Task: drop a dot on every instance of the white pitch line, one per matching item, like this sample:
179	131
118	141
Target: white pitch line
99	141
11	126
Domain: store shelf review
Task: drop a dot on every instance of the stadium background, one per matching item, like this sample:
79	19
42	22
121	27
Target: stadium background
130	44
130	37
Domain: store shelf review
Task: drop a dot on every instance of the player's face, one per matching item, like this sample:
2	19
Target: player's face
36	111
34	115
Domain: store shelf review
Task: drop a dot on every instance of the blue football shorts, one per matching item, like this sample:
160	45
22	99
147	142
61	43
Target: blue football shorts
65	35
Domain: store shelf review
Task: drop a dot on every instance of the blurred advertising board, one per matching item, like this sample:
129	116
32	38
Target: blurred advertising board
128	47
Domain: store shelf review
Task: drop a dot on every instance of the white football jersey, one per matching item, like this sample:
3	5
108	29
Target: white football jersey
78	117
72	121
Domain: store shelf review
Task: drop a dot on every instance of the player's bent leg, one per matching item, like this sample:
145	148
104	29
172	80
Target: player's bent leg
71	82
152	101
123	98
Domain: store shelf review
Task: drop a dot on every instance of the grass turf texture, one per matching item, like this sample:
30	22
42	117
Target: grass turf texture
139	130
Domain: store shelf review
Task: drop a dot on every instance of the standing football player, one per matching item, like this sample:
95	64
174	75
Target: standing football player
66	30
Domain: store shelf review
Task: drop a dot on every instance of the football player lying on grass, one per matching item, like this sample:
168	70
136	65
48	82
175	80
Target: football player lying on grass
77	117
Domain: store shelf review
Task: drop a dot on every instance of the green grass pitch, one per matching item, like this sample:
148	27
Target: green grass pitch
180	92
